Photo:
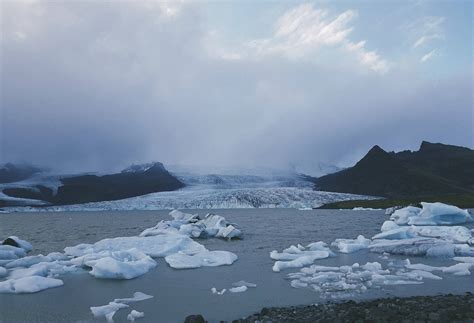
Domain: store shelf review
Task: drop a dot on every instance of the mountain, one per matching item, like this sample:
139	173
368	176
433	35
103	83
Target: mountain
17	172
435	169
134	181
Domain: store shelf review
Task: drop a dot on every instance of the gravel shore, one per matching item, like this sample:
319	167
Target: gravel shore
445	308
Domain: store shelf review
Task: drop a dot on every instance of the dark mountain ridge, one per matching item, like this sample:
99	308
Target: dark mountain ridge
133	181
432	170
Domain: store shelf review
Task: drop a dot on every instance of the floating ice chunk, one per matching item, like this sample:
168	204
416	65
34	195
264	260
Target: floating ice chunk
137	297
389	225
439	213
441	251
396	233
301	261
461	269
184	217
408	247
23	244
202	259
108	311
163	227
465	259
229	232
153	246
135	315
315	246
10	253
372	266
29	284
215	291
456	234
240	289
359	208
423	267
28	261
123	265
298	284
426	274
44	269
351	245
244	283
402	216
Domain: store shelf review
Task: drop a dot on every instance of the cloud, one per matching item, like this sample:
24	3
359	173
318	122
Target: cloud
428	56
427	29
304	32
99	85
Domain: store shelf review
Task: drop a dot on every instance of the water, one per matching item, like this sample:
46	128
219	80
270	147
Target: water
179	293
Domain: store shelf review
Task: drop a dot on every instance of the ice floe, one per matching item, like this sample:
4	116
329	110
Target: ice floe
121	257
431	231
351	245
431	214
300	256
202	259
122	265
108	311
212	225
28	284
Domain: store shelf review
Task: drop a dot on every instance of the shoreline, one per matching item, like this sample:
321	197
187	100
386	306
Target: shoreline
440	308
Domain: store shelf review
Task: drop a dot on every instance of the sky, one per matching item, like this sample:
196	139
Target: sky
97	85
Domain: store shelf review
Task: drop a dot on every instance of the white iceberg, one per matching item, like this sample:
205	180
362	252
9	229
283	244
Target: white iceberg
123	265
153	246
351	245
431	214
202	259
29	284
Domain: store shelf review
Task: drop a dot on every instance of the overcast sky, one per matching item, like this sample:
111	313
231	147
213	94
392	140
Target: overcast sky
94	85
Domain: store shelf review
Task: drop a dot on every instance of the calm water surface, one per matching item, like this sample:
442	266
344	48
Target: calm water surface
179	293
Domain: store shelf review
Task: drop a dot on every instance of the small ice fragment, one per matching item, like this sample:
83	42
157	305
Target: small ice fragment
135	315
137	297
215	291
108	311
238	289
244	283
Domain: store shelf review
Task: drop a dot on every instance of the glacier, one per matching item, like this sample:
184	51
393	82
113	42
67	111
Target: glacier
219	192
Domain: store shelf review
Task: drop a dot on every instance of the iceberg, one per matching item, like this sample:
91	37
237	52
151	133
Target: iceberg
28	284
17	242
431	214
202	259
122	265
154	246
351	245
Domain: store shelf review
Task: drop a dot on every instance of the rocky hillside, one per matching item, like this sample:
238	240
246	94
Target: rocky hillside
435	169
